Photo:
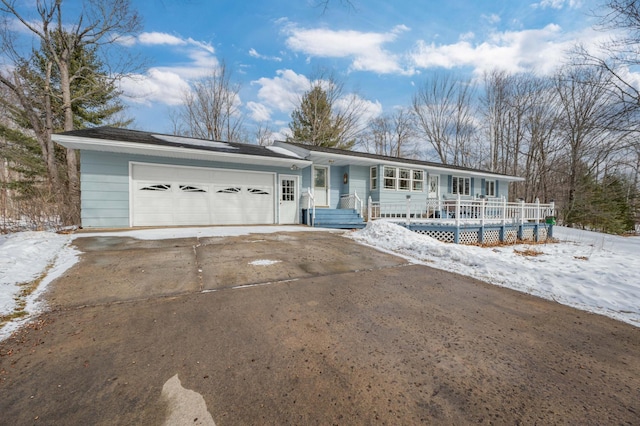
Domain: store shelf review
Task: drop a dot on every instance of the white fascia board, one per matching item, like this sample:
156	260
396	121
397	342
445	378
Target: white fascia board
323	158
91	144
316	155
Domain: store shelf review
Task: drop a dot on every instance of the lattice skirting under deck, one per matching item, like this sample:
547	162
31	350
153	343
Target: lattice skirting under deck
444	236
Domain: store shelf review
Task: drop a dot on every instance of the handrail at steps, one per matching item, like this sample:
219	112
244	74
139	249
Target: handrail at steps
359	204
311	206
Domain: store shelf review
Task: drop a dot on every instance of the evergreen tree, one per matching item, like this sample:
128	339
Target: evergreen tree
314	122
604	205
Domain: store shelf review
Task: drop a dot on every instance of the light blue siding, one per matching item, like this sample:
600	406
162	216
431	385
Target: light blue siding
477	187
335	186
358	181
400	196
104	180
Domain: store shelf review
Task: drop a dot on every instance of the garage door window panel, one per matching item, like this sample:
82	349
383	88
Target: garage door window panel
229	191
192	188
156	187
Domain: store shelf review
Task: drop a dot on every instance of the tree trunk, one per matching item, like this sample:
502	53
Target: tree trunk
73	177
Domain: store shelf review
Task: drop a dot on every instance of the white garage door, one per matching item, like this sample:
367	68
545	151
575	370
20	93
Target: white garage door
171	195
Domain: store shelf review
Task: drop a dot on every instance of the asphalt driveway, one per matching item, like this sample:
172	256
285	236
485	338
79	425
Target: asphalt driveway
305	328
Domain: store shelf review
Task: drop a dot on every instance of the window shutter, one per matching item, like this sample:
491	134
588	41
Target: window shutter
472	190
450	184
483	187
497	189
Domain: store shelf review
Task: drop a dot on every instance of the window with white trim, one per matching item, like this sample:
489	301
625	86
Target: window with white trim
417	184
404	179
461	185
390	174
400	179
373	176
490	188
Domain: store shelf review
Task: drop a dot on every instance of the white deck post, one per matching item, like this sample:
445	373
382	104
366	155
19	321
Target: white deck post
408	209
537	210
369	209
458	211
504	211
522	211
482	207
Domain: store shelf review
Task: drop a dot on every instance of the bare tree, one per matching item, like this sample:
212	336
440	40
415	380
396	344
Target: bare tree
264	134
211	109
588	117
392	134
98	25
443	110
621	52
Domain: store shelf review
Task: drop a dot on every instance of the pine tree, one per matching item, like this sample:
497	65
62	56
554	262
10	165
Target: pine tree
314	122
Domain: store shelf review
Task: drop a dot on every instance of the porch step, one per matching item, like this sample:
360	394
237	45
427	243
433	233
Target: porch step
337	218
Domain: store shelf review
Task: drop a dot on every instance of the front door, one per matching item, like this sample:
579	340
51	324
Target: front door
321	185
434	184
288	199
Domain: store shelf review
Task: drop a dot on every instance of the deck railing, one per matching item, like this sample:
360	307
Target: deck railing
458	210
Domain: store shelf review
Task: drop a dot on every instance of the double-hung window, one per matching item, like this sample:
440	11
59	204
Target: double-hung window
418	180
460	185
404	179
390	174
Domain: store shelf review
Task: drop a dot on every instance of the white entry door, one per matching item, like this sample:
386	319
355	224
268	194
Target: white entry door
321	185
288	199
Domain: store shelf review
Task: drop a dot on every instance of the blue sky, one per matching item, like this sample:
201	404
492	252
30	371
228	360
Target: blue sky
381	49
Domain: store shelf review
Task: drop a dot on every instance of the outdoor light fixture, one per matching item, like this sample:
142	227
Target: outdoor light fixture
294	167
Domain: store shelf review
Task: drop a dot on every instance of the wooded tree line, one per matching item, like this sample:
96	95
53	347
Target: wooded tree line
63	82
571	135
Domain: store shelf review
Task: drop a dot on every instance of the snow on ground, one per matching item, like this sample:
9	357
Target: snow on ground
590	271
26	257
587	270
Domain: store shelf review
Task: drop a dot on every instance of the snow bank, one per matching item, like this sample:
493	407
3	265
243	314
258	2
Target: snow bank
590	271
25	257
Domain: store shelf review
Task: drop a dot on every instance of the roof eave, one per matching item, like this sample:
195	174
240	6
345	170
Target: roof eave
331	158
115	146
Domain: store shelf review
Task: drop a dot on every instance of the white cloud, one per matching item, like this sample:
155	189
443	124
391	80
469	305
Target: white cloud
155	38
492	19
254	53
168	84
259	112
155	85
539	50
282	91
557	4
365	48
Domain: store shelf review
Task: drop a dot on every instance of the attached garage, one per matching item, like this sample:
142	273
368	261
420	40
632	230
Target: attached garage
134	178
173	195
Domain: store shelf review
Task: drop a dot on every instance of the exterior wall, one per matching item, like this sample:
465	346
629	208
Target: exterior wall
358	181
104	184
396	196
477	187
335	185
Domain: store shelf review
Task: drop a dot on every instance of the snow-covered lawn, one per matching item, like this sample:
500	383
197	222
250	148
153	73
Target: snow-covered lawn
590	271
